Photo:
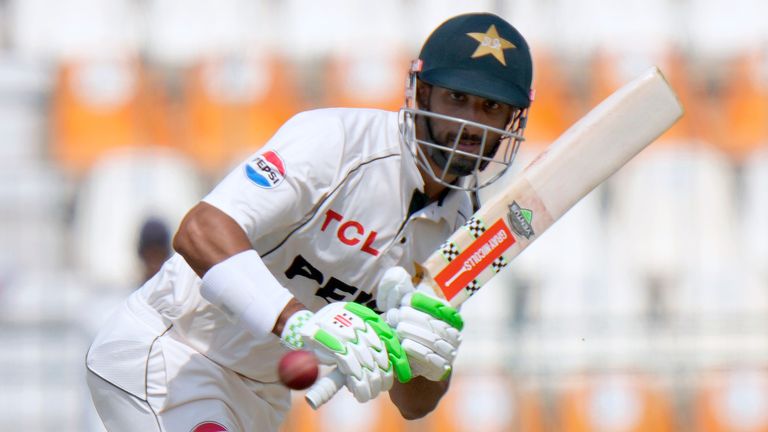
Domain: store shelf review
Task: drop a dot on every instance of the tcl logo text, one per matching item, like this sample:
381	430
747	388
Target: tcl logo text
350	232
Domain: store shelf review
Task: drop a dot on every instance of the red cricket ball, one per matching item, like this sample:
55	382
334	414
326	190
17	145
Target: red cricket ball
298	369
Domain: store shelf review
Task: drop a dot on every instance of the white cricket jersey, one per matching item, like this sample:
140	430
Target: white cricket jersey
326	205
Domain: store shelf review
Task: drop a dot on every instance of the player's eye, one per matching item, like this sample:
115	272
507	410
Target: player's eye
492	105
458	97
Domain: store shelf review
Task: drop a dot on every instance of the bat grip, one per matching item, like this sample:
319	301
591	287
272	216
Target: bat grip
324	389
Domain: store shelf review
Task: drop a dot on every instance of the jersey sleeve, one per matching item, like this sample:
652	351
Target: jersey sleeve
282	183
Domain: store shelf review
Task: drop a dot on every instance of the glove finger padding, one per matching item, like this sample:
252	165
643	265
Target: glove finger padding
359	343
431	344
369	386
423	328
424	362
428	327
423	336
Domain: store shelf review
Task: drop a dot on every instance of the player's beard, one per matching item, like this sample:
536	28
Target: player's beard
460	165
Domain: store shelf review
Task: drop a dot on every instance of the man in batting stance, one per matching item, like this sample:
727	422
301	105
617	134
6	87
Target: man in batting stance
293	247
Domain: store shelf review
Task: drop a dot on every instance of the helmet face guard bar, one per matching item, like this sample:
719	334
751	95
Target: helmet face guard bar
508	143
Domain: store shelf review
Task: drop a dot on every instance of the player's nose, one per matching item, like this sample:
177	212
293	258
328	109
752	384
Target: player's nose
470	134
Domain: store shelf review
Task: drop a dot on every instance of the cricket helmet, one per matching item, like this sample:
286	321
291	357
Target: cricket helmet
479	54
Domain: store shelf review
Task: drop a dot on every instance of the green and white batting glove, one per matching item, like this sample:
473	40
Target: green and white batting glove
356	340
428	327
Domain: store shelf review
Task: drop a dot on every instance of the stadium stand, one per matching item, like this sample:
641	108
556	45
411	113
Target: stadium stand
232	106
643	309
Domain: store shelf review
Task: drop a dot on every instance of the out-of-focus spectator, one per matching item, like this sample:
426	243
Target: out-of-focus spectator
154	246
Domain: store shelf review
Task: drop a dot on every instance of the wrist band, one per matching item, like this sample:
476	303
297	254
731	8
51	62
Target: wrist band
246	291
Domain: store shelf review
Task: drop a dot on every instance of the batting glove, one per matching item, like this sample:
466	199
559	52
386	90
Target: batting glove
428	327
356	340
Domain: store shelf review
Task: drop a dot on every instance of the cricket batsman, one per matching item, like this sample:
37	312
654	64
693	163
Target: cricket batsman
310	243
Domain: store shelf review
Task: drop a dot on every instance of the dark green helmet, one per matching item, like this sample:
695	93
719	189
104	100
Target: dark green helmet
479	54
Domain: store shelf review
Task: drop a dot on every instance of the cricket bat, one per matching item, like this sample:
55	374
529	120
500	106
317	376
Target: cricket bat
584	156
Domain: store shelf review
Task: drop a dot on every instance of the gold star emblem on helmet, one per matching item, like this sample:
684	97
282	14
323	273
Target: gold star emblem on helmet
491	43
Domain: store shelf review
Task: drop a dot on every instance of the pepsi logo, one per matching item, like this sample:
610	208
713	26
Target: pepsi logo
209	426
267	170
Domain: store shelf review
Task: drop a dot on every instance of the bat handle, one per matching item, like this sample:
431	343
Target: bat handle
324	389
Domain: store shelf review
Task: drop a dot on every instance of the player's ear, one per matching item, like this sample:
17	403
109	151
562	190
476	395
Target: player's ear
423	91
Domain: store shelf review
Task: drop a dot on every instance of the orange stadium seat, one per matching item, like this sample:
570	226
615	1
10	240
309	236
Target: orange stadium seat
301	417
603	77
490	402
487	403
744	122
367	82
692	125
614	403
732	401
344	414
555	106
726	106
232	106
104	104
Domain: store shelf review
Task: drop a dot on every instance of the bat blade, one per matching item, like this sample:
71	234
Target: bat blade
589	152
584	156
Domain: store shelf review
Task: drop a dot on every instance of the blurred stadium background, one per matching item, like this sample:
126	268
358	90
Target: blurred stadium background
644	309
